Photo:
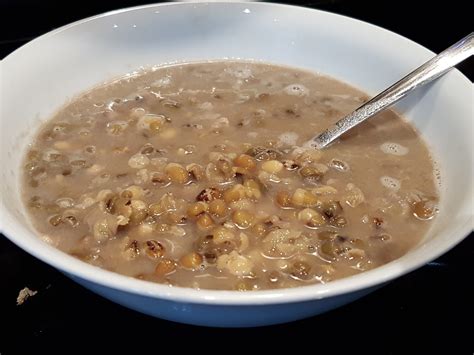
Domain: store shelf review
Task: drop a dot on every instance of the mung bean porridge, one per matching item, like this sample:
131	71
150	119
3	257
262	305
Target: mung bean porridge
194	175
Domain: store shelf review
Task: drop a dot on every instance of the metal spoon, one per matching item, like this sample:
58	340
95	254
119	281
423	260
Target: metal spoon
431	70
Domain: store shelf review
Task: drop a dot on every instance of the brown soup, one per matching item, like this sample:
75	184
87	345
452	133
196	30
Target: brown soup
193	175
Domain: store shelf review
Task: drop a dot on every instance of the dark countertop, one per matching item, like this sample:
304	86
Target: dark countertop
429	309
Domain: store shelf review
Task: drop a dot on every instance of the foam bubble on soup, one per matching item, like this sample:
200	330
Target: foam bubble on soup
296	90
394	148
390	183
288	138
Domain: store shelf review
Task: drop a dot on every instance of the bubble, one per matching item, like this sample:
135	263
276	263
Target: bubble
339	165
206	106
90	149
145	122
267	83
393	148
296	90
437	173
220	122
50	155
138	112
390	183
65	202
111	105
116	127
288	138
242	98
163	82
241	73
58	129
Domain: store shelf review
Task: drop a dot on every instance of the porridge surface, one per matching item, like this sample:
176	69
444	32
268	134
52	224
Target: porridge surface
193	175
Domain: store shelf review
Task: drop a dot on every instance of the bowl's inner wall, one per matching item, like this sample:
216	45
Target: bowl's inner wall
42	76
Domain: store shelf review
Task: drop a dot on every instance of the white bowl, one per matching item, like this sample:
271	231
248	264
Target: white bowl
39	77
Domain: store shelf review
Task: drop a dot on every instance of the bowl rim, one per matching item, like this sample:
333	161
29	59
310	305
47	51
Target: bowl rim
20	236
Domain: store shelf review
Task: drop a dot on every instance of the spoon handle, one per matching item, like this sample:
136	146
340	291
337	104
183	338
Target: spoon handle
427	72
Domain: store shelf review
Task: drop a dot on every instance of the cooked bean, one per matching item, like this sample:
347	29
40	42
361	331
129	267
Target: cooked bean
204	221
245	161
191	261
262	153
290	165
196	172
259	229
235	193
71	220
304	198
243	219
301	270
311	218
209	194
155	127
55	220
139	212
331	208
165	267
159	178
283	198
210	258
131	250
217	208
197	208
310	174
272	166
424	210
222	235
177	173
338	221
153	249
